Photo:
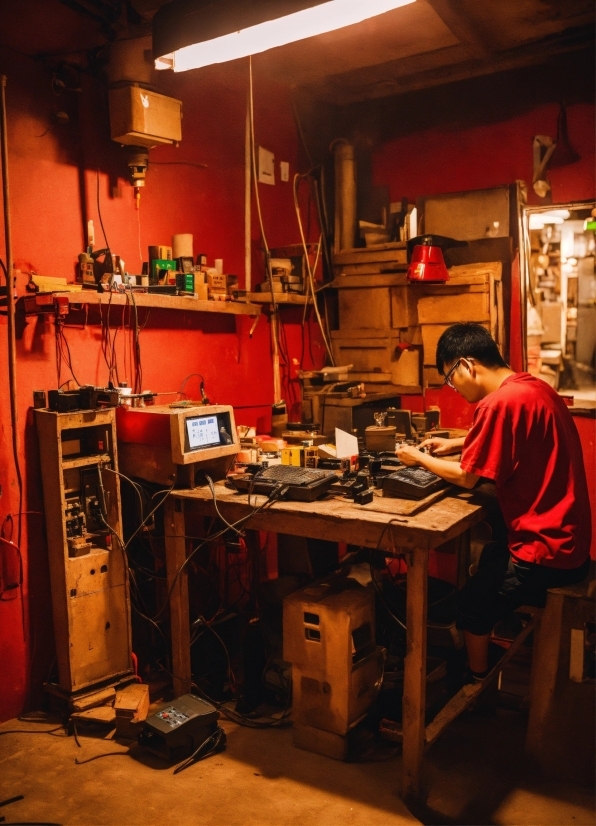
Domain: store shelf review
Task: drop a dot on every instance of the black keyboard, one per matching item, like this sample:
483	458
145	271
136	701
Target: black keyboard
301	484
412	483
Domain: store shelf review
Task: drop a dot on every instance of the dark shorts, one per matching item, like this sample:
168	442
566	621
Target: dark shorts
502	584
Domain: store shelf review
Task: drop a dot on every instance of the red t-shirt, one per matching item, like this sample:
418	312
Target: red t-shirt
524	438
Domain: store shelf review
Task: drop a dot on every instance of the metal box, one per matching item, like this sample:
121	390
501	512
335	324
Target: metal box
139	117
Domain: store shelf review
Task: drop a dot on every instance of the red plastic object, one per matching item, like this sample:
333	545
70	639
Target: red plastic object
427	264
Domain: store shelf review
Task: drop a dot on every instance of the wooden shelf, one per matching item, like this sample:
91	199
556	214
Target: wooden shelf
164	302
280	298
86	461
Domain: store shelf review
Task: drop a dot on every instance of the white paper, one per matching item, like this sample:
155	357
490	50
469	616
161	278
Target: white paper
346	444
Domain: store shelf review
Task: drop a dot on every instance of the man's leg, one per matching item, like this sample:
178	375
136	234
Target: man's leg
478	605
477	649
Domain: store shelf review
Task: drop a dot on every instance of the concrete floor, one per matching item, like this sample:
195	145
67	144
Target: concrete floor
473	775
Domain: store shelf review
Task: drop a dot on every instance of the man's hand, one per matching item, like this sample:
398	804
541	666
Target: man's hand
408	455
439	446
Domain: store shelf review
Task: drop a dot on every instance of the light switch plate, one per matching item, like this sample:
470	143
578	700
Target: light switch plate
266	172
284	170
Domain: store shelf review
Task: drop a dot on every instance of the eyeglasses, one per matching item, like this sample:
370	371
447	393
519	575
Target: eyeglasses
447	381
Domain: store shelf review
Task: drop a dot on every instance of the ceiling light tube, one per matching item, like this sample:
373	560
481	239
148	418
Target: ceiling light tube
268	34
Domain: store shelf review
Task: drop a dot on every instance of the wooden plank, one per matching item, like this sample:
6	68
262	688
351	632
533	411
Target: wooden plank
164	302
451	309
494	268
368	255
342	520
280	298
348	282
414	697
466	695
85	461
365	307
370	268
175	545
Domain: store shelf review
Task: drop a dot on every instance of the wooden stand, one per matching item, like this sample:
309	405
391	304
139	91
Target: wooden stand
88	571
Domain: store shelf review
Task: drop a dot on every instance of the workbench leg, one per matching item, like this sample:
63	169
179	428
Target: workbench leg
414	699
179	615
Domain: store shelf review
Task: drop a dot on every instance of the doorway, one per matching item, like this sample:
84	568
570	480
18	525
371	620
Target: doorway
559	252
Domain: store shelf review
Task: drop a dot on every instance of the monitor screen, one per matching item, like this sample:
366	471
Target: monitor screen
203	431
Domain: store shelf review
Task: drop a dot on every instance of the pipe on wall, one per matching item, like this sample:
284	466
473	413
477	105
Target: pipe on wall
10	303
345	194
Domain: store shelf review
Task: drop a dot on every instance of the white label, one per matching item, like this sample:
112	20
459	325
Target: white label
266	173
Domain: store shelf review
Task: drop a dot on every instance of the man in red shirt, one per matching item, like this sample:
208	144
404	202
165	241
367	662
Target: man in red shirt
523	438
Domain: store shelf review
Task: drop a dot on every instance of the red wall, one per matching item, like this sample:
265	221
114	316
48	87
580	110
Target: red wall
455	159
458	158
53	179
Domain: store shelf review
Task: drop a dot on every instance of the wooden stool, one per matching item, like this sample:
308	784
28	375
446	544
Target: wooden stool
562	698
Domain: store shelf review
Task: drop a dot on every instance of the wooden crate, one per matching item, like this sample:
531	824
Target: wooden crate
377	307
431	377
459	306
380	257
367	350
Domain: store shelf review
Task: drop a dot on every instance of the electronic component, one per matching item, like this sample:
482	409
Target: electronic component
185	281
300	484
412	483
87	397
162	443
178	728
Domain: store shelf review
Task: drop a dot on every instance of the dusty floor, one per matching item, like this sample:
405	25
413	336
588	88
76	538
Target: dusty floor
473	775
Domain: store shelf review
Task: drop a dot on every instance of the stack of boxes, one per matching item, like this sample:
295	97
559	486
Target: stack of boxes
186	277
473	293
389	328
378	319
337	668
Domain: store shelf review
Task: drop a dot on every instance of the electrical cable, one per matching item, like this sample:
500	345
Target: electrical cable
217	511
97	756
217	739
309	271
37	731
275	308
105	237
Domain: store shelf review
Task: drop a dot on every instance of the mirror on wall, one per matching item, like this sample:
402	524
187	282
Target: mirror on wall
559	246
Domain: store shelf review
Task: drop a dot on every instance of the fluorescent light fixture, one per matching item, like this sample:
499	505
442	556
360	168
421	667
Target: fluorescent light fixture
299	25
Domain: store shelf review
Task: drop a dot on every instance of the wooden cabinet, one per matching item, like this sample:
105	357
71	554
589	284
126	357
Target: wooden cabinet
88	570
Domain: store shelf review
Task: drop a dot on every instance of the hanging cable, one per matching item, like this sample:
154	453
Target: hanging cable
275	309
309	270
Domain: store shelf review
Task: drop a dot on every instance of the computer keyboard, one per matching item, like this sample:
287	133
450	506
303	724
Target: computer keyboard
291	475
300	484
412	483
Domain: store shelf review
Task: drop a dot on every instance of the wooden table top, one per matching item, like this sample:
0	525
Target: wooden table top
385	523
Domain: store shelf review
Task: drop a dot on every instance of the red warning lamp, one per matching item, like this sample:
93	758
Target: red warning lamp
427	264
426	261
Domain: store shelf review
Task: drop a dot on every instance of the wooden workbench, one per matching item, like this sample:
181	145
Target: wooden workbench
396	526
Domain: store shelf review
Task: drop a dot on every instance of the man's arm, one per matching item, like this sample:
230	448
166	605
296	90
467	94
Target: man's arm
451	472
439	446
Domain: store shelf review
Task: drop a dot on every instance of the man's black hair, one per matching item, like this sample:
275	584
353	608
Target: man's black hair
467	340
